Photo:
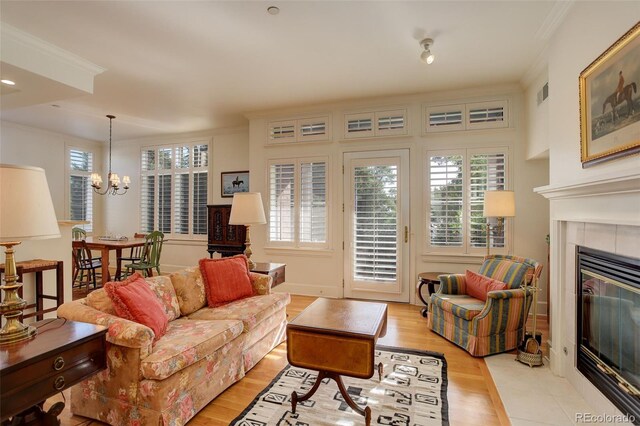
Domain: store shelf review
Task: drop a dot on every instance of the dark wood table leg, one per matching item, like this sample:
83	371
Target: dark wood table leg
60	283
39	293
380	370
295	398
118	262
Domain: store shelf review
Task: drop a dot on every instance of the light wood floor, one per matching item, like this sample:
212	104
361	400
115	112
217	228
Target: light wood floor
473	398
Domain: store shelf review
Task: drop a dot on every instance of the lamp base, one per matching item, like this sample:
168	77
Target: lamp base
12	305
14	331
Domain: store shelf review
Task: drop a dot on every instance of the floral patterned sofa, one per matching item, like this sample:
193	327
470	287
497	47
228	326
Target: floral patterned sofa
204	351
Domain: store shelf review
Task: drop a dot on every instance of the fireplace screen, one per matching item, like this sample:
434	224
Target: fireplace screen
609	325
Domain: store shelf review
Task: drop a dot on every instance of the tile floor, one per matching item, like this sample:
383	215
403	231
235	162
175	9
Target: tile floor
534	396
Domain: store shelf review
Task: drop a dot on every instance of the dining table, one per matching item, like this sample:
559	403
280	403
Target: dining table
105	245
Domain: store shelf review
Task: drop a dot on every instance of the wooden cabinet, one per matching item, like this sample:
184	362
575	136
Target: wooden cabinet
62	354
223	238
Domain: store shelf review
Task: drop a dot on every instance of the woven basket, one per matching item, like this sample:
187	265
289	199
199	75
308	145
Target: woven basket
533	360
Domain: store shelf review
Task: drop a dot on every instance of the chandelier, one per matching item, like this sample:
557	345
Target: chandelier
114	180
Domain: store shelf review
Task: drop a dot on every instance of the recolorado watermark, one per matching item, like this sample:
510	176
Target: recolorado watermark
604	418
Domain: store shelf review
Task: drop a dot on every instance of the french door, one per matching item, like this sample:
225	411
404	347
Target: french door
376	216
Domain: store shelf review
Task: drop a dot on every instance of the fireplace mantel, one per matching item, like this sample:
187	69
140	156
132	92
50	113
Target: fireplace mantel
606	185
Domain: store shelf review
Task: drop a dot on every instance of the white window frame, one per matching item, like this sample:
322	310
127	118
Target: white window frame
465	248
90	227
465	109
375	116
173	171
297	135
296	243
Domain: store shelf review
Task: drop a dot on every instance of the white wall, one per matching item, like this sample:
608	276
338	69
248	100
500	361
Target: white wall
229	152
537	119
321	273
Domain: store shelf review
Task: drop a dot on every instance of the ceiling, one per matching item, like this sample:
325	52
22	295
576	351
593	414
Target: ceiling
181	66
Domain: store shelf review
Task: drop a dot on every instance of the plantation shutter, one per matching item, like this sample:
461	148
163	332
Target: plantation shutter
486	115
147	190
282	202
200	179
313	206
80	190
446	201
486	172
375	224
391	123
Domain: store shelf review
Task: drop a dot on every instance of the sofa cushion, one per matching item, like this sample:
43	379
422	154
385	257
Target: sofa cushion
134	300
186	342
460	305
478	285
226	279
189	289
251	311
162	287
100	300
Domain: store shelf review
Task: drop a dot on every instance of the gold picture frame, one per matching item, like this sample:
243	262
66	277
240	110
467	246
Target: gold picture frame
610	102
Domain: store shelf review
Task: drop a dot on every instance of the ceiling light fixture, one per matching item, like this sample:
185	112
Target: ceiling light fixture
8	82
273	10
426	56
114	180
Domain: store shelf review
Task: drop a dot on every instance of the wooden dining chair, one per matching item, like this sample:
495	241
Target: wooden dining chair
151	252
84	262
134	256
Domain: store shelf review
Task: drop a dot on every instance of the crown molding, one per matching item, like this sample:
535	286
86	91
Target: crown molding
38	56
553	20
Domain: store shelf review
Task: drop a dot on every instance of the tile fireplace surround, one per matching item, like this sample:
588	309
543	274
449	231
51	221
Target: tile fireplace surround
602	214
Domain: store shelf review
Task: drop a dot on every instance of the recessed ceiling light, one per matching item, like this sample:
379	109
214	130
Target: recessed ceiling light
8	82
273	10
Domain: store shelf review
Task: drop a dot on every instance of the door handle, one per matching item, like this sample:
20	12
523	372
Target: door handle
406	234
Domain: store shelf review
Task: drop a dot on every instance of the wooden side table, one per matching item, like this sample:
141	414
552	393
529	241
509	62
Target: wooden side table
430	279
62	354
274	270
37	266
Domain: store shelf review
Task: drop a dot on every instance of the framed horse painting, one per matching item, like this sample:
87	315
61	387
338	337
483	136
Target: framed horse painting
610	102
232	182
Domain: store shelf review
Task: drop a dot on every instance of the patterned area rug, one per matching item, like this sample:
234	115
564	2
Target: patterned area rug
413	392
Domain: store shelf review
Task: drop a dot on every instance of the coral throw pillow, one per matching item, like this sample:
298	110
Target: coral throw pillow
134	300
226	279
478	285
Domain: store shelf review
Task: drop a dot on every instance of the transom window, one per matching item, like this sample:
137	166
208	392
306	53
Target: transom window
298	202
456	183
173	189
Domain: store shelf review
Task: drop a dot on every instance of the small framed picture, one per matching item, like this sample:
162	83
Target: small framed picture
609	104
232	182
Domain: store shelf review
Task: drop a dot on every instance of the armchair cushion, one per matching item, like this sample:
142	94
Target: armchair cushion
134	300
100	300
511	270
226	279
460	305
478	285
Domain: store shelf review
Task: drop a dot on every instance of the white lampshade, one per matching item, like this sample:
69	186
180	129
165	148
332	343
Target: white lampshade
499	204
246	209
26	209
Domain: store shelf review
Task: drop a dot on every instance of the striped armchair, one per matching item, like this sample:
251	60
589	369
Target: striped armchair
485	328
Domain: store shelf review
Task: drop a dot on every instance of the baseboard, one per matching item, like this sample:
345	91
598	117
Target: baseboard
310	290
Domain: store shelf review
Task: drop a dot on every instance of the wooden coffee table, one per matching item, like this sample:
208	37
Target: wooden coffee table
337	338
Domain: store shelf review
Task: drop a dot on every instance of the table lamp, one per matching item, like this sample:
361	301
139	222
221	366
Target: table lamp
498	204
26	213
246	209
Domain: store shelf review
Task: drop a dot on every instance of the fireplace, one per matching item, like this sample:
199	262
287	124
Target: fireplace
608	326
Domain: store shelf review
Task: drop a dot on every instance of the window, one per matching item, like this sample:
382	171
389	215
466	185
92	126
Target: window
298	203
457	181
80	191
375	124
301	130
471	116
173	189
